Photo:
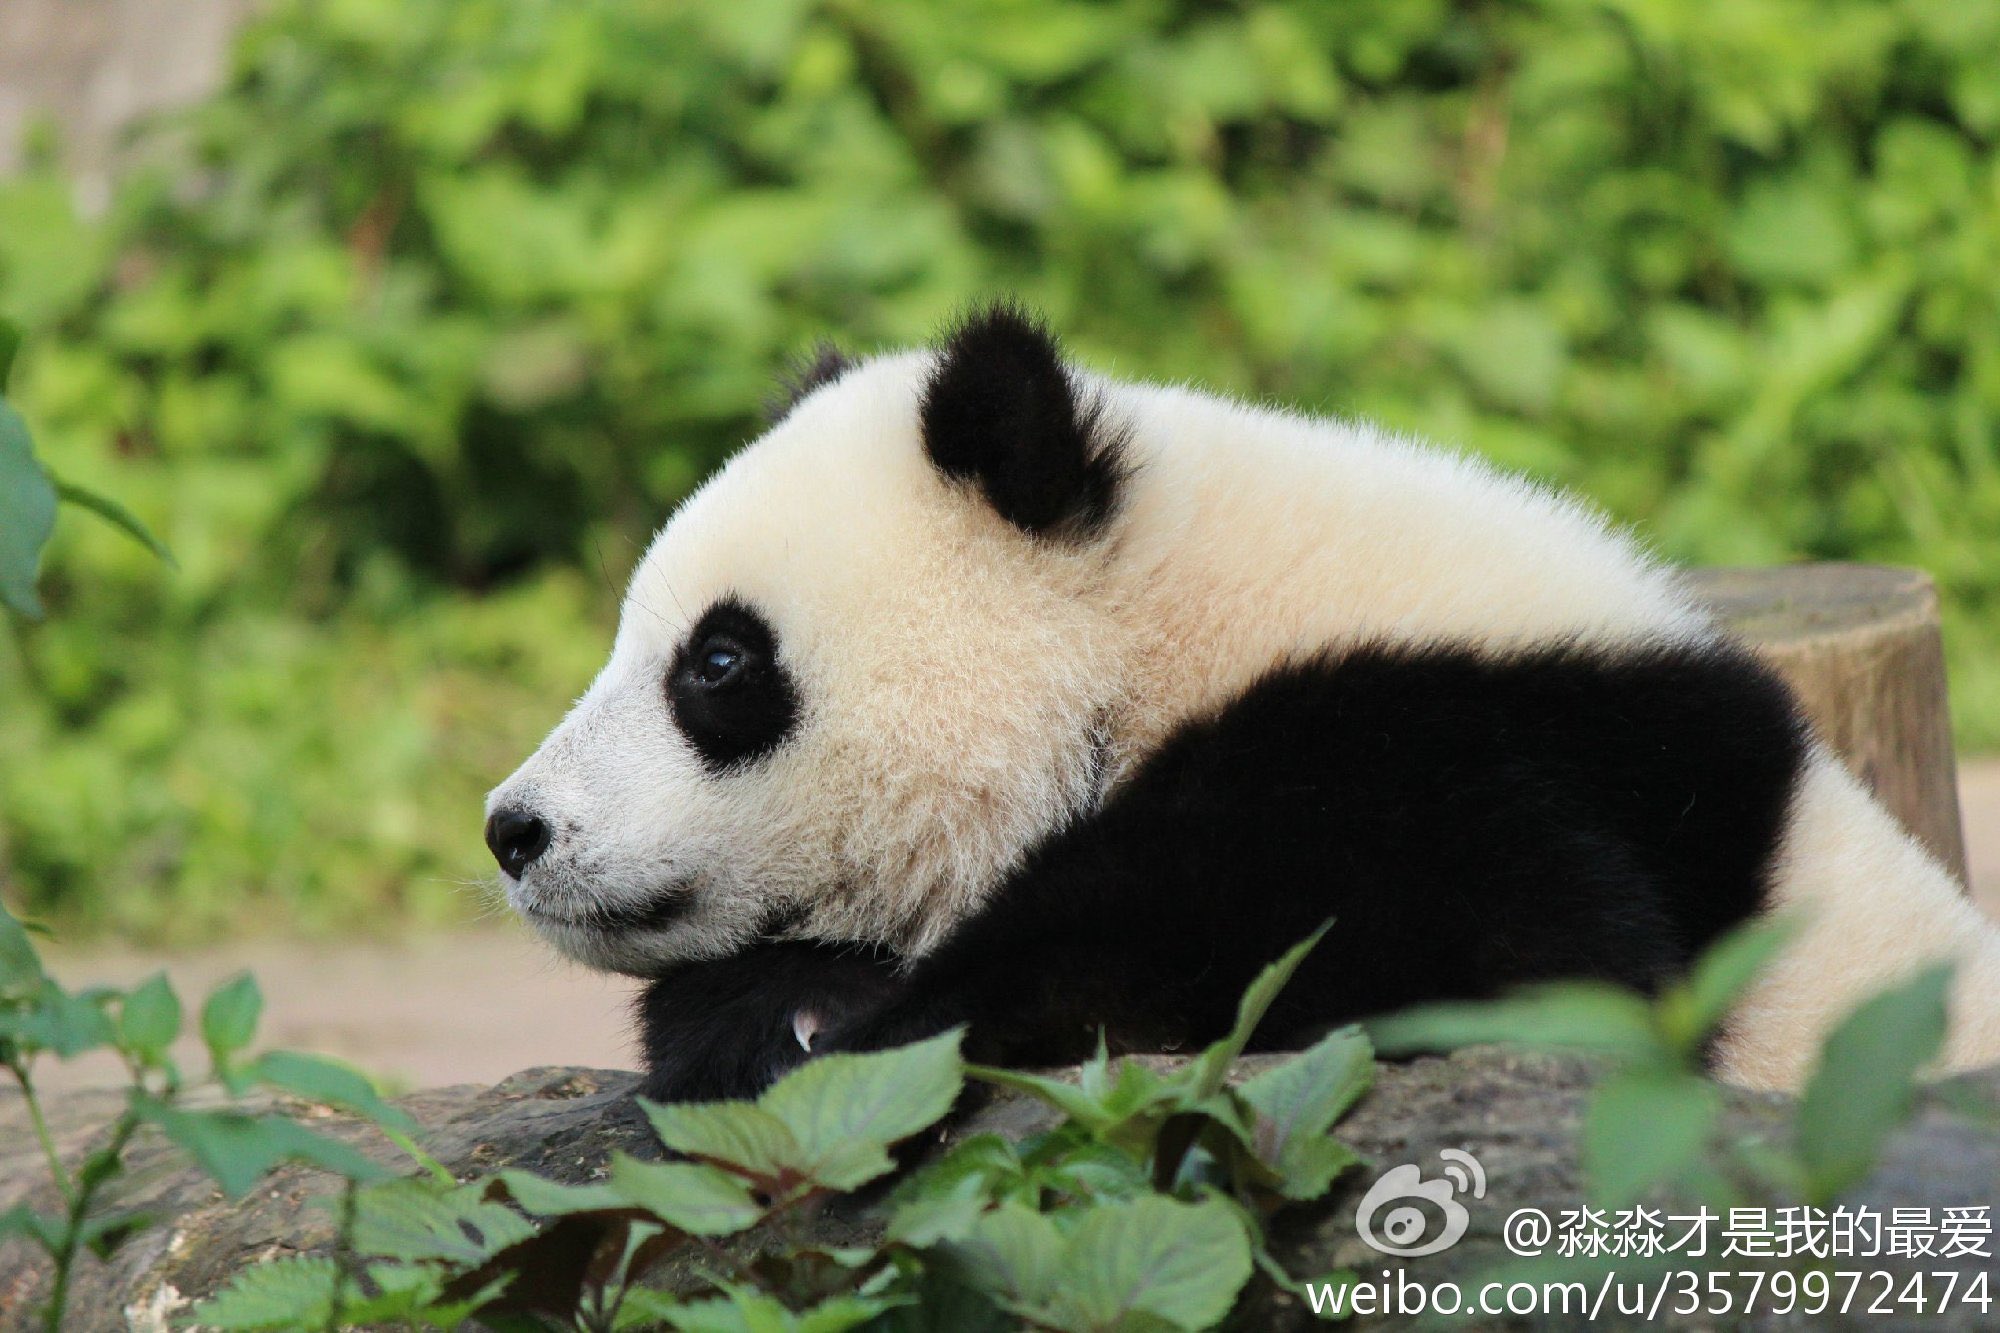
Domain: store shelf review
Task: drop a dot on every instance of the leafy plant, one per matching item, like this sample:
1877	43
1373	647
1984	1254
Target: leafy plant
1143	1208
233	1144
28	498
1651	1121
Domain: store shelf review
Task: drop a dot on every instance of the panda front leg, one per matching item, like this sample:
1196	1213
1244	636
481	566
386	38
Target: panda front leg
1124	927
730	1027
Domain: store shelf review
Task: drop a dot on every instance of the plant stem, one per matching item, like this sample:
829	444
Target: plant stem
98	1168
439	1172
343	1254
42	1130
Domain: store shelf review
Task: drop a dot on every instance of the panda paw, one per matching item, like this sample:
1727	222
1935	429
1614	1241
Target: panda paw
730	1028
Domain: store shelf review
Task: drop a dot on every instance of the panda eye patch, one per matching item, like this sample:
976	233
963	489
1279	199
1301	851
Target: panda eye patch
730	694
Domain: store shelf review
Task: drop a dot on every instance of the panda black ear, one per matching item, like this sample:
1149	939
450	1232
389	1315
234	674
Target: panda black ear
821	366
1001	409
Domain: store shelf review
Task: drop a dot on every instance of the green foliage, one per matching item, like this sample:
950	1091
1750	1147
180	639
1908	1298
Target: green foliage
316	1079
28	499
1862	1087
1650	1121
434	310
1146	1214
229	1018
239	1149
1147	1262
1645	1126
841	1112
234	1145
1144	1209
150	1018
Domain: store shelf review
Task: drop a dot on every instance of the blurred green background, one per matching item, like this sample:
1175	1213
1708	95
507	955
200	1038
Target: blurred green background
406	339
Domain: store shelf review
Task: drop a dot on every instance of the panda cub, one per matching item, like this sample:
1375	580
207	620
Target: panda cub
985	690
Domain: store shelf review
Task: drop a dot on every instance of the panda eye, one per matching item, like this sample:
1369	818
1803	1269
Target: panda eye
720	662
730	693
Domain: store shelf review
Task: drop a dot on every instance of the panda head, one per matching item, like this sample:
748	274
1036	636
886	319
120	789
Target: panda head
857	675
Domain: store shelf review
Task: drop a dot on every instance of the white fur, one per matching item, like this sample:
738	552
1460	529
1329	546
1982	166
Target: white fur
961	681
1873	908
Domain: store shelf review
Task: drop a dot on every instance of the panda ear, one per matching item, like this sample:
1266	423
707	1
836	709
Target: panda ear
817	368
1000	409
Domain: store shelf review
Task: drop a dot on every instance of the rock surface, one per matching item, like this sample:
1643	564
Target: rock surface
1516	1112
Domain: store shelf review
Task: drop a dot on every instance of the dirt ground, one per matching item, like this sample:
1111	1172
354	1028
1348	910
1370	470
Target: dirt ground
477	1005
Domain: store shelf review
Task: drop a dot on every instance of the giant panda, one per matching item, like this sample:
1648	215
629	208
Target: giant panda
986	690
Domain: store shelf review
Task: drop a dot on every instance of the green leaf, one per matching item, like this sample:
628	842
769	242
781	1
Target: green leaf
1310	1166
65	1023
1587	1015
946	1215
1012	1254
1209	1070
150	1018
229	1019
838	1314
318	1079
1642	1128
46	1230
117	515
27	515
1139	1089
412	1294
845	1110
647	1308
1065	1097
982	1157
289	1293
237	1150
415	1220
1299	1101
547	1198
741	1310
944	1197
10	343
690	1196
1862	1087
738	1135
1180	1263
20	962
1693	1009
1089	1169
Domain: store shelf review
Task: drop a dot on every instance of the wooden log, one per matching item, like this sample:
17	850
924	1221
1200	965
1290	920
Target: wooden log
1861	646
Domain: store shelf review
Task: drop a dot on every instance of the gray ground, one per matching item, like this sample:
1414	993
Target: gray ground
475	1006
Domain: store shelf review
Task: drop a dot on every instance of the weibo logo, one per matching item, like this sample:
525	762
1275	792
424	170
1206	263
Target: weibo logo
1402	1229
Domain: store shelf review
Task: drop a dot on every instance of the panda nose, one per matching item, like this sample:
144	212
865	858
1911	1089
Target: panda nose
516	838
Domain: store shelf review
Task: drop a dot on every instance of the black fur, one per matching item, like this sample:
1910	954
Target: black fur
751	714
723	1029
817	369
1001	410
1469	824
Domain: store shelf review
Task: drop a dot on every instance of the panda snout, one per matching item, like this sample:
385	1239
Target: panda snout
516	839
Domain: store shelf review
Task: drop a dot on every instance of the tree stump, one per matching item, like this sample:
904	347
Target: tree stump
1861	646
